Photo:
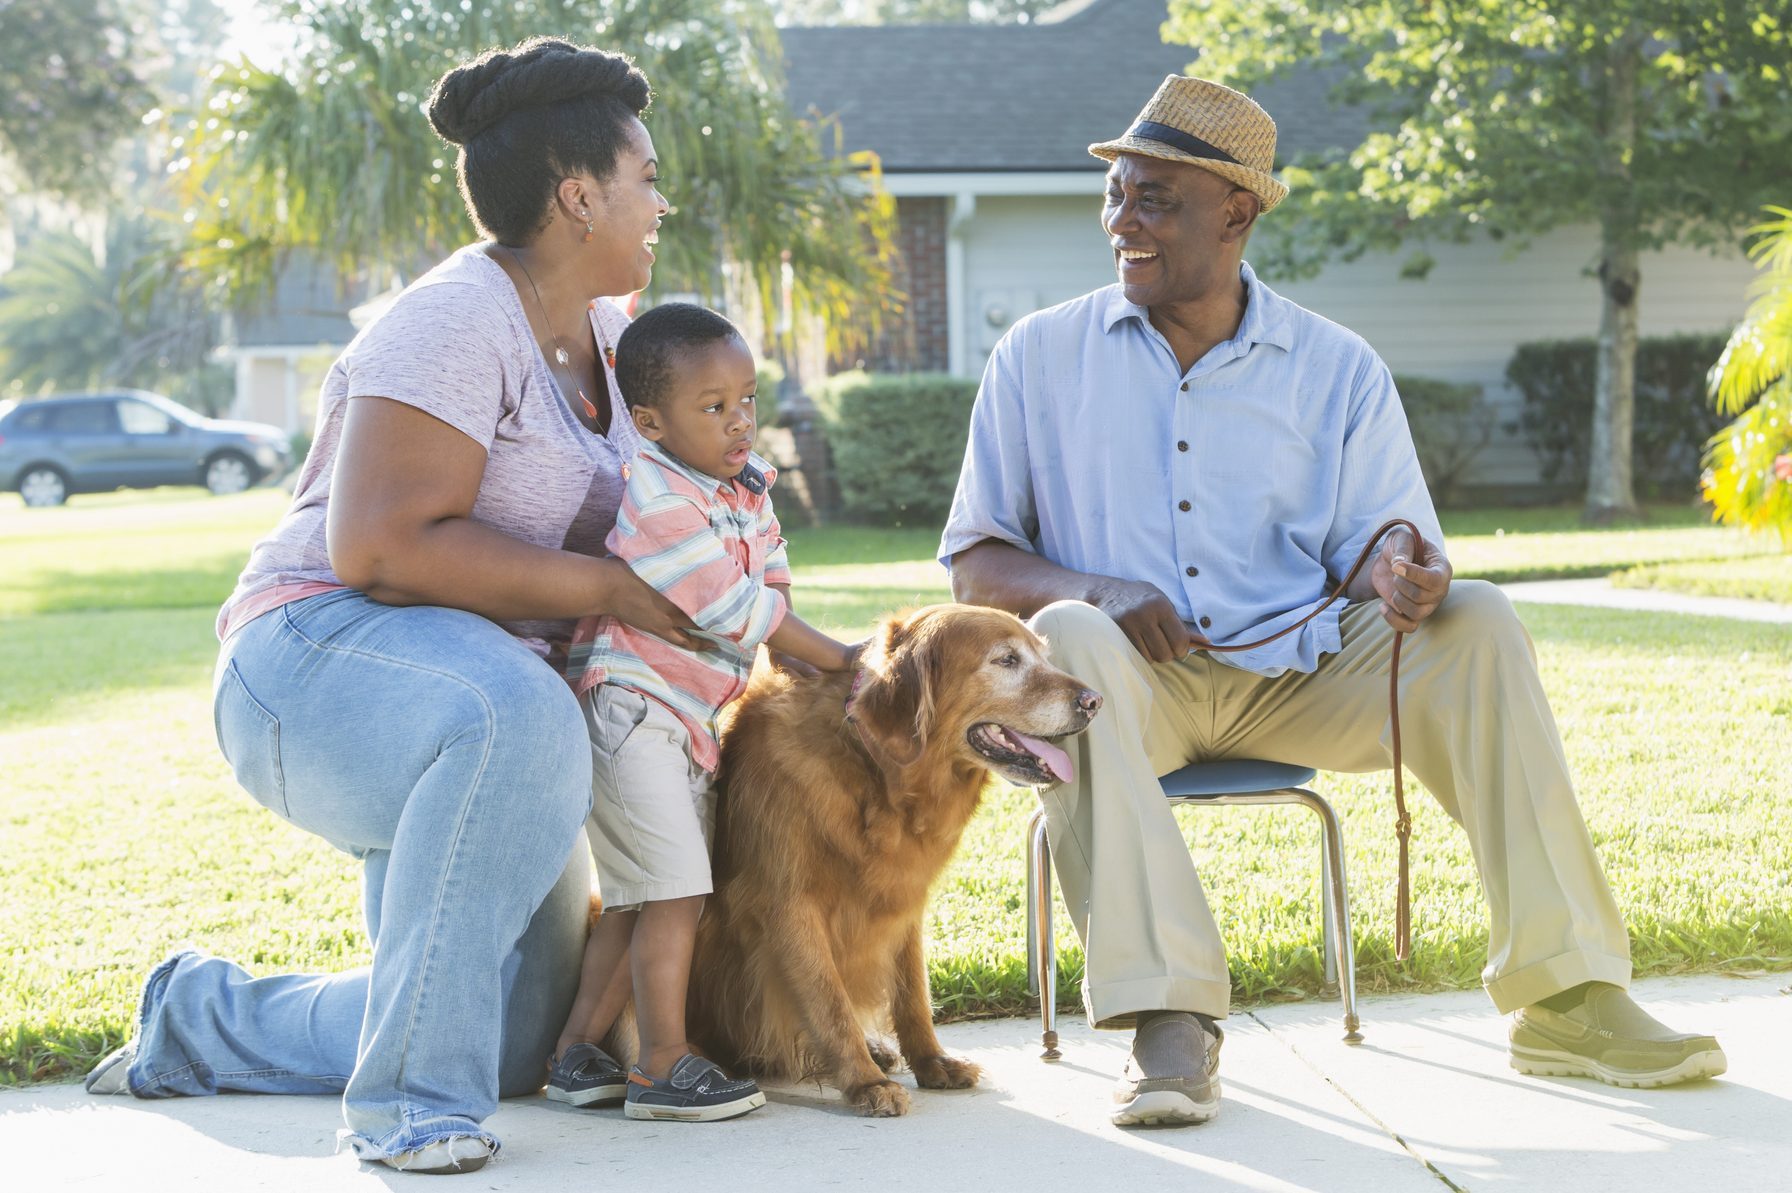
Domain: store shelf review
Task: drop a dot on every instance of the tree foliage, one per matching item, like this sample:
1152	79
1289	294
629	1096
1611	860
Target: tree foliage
1749	464
73	84
911	12
74	318
330	152
1495	118
1657	120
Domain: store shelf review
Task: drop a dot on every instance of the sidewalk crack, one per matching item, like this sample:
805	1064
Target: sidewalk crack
1387	1130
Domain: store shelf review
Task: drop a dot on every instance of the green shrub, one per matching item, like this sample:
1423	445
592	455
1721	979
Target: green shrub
1450	425
897	442
1673	421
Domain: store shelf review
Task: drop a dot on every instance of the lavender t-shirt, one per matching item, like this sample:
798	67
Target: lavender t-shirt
457	345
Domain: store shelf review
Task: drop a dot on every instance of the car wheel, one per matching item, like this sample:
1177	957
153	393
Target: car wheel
227	473
42	486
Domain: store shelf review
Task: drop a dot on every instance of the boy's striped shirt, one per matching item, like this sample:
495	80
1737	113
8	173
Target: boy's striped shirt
713	548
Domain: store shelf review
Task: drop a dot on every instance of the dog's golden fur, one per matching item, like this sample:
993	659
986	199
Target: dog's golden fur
832	827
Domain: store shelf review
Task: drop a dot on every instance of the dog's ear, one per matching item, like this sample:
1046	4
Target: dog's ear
894	704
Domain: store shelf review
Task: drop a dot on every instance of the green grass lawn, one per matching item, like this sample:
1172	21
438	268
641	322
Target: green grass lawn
122	833
1551	544
1758	578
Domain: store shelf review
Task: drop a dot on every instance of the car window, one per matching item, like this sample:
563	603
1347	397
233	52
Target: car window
140	418
83	418
29	418
174	410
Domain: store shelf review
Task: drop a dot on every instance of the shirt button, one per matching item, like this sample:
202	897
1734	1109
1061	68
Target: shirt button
1182	445
1192	570
1206	623
1185	387
1184	506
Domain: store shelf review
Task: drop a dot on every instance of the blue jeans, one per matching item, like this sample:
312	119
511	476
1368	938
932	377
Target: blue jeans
454	763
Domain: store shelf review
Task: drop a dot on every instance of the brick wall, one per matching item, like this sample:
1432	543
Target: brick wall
912	341
915	340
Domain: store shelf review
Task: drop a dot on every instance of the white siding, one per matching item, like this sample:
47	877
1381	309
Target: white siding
1462	323
1024	253
280	385
265	399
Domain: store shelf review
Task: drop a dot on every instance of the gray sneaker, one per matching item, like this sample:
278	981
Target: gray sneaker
1611	1039
1171	1078
112	1075
586	1075
695	1091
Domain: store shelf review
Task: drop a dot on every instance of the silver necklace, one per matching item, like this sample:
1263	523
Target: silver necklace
560	353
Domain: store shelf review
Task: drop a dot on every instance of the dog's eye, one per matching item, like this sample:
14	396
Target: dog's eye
1008	660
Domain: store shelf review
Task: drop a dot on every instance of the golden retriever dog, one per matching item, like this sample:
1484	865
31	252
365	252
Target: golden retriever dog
842	799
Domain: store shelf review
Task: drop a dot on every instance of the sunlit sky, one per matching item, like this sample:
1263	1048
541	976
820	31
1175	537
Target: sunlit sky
255	33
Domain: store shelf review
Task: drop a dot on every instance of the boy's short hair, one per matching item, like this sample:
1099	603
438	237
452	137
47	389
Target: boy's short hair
648	352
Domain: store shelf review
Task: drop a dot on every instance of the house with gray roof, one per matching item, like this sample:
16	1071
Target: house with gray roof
982	132
280	348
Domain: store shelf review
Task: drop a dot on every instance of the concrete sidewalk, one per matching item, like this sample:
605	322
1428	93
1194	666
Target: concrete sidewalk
1426	1103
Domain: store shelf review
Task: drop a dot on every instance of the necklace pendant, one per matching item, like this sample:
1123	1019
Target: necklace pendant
560	355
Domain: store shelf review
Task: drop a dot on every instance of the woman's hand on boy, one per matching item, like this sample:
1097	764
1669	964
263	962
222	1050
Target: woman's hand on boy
637	603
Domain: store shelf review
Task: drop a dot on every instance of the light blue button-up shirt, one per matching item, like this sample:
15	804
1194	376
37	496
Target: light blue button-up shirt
1287	443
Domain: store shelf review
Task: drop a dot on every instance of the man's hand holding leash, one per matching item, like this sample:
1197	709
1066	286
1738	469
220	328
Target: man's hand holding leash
1409	591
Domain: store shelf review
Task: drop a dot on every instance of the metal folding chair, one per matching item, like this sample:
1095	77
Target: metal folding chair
1235	781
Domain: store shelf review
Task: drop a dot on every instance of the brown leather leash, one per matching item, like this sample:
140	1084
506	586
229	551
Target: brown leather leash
1402	821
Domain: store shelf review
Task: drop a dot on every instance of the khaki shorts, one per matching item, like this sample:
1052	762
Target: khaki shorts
652	807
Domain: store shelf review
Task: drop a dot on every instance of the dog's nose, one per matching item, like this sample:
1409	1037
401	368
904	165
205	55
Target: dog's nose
1089	701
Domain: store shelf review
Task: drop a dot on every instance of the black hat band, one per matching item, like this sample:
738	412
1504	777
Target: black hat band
1151	130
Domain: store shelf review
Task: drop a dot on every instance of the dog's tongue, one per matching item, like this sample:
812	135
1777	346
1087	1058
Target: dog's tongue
1056	760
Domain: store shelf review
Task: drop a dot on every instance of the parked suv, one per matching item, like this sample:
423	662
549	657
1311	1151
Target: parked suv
129	439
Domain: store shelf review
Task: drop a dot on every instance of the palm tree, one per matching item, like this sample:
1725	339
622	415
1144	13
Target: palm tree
331	152
1748	477
72	317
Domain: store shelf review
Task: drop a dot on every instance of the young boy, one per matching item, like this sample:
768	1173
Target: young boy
696	523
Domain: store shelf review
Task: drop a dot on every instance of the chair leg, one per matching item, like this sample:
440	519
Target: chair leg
1338	901
1032	902
1328	923
1044	959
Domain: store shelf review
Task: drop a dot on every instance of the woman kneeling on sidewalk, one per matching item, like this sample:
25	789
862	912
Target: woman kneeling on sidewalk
387	681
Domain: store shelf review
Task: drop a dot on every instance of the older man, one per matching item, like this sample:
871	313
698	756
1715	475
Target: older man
1188	458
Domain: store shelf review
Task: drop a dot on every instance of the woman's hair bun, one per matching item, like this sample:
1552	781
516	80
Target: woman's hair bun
538	73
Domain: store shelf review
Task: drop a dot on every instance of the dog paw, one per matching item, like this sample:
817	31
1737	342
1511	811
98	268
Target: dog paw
945	1072
880	1099
882	1055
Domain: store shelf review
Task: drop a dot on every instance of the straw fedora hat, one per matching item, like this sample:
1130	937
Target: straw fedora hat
1206	125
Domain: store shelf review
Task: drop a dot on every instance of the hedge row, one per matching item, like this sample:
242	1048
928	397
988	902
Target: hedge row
898	440
1673	420
1450	423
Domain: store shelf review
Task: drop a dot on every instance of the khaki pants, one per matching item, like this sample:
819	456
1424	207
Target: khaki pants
653	809
1476	731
